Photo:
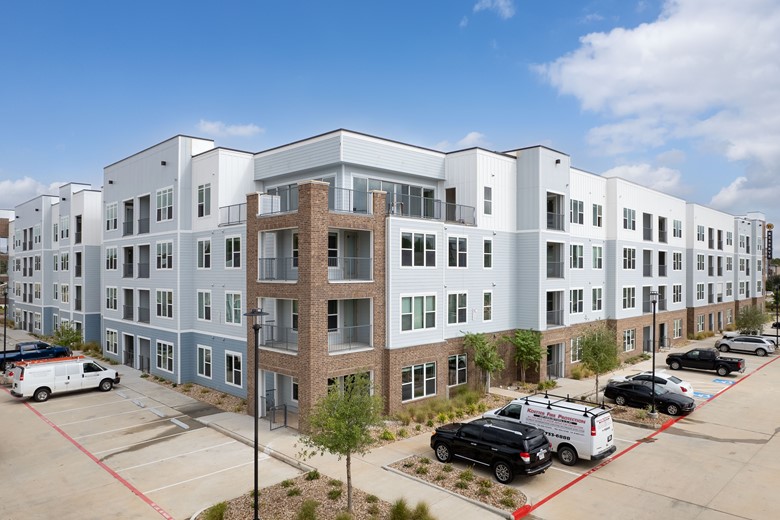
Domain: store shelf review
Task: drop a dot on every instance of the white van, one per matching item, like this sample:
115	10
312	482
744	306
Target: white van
577	429
41	378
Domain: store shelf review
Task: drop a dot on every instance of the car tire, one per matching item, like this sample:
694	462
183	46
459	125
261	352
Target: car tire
722	371
442	451
674	365
2	366
723	348
106	385
620	400
41	394
503	472
567	455
761	352
672	409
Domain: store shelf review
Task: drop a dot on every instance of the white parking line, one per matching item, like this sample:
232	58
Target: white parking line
556	468
198	478
69	410
175	456
100	418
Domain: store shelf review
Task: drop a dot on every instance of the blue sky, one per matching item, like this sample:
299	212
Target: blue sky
680	95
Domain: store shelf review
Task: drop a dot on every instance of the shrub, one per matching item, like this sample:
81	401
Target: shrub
546	385
308	510
372	499
467	475
399	510
421	470
508	502
294	492
580	372
287	483
313	475
215	512
429	423
373	510
404	417
417	427
421	512
425	460
334	494
439	477
402	433
335	482
387	435
485	483
447	468
461	484
344	516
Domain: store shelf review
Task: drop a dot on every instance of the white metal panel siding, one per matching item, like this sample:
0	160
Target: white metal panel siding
306	156
530	261
384	155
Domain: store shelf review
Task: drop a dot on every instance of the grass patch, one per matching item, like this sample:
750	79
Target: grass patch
215	512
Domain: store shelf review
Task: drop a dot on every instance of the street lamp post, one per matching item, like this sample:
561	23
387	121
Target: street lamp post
5	319
256	313
777	315
654	301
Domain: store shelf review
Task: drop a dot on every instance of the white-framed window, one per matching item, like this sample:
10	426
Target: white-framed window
417	250
56	321
676	293
55	295
700	323
204	253
64	261
55	233
111	216
110	259
38	263
164	255
699	291
576	349
111	299
64	293
233	308
629	258
233	253
456	370
629	340
741	288
759	265
295	317
418	312
598	257
677	229
418	381
597	298
729	317
729	289
729	238
576	301
37	291
164	356
758	288
204	200
487	306
333	249
204	361
37	321
488	200
112	341
741	265
677	261
700	262
598	211
629	219
165	204
457	251
457	311
164	303
56	262
576	211
233	368
729	263
700	233
204	305
576	256
629	297
64	227
37	235
677	328
487	253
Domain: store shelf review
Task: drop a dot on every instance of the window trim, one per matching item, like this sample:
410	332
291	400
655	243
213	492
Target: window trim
205	204
229	353
203	301
232	261
459	254
465	368
235	309
165	305
159	207
411	251
206	362
458	308
487	256
425	312
203	255
158	356
116	341
425	379
487	307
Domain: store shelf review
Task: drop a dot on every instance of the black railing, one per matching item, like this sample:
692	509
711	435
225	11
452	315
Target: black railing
279	338
127	270
647	233
349	338
77	237
427	208
127	312
661	270
346	268
235	214
647	269
143	270
277	269
77	270
127	228
349	201
555	317
143	314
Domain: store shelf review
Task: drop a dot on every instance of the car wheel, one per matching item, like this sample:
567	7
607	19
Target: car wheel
443	453
620	400
503	472
41	395
723	348
672	409
567	455
2	366
106	385
674	365
722	371
761	352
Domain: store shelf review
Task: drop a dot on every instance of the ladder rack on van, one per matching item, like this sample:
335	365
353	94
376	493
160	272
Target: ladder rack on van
561	401
48	360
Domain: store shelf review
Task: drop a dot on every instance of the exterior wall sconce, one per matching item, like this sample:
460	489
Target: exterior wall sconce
163	163
110	181
557	161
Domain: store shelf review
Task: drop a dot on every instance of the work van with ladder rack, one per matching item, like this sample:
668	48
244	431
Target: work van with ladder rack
42	378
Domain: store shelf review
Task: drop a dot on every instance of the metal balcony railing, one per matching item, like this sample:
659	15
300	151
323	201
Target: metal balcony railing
143	270
279	338
127	312
77	302
143	225
349	201
555	317
647	233
434	209
554	269
348	268
662	270
234	214
77	237
127	270
350	338
662	236
555	221
277	269
77	269
127	228
647	269
143	314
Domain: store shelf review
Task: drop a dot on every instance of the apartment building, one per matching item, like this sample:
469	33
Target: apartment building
5	218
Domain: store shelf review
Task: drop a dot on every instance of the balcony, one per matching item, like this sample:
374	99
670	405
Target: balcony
433	209
662	304
711	243
711	271
555	317
344	268
127	228
143	314
661	270
647	270
277	269
710	298
143	225
231	215
555	221
647	233
279	338
127	312
77	270
143	270
554	269
77	237
351	201
345	339
127	270
277	200
662	236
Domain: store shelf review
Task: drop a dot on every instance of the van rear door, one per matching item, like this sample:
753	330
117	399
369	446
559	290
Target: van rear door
601	426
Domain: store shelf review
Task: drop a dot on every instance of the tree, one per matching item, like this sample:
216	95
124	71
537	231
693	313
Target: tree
751	319
67	336
773	282
528	349
599	351
339	423
486	356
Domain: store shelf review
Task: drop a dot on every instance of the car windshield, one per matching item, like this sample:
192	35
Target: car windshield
675	380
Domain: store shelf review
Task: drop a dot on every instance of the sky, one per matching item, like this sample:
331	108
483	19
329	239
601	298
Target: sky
682	96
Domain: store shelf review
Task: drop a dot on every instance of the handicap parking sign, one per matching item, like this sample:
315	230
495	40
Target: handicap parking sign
723	381
702	395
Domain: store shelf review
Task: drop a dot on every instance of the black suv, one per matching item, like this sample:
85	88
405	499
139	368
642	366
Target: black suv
506	447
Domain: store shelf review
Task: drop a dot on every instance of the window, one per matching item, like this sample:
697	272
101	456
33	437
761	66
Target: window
233	252
729	263
110	258
165	356
333	315
112	341
629	258
64	230
233	368
488	208
65	293
677	328
333	249
204	305
38	263
418	312
758	288
37	235
700	323
577	211
204	200
741	288
233	308
111	300
294	394
165	304
699	291
64	261
56	263
598	210
457	368
575	257
417	249
700	262
741	265
729	317
487	306
111	216
487	253
204	361
295	315
295	249
676	293
164	255
457	252
576	349
456	308
677	261
729	289
742	241
629	340
418	381
629	297
729	238
55	295
677	229
629	219
700	233
37	291
575	301
598	256
204	254
596	293
164	204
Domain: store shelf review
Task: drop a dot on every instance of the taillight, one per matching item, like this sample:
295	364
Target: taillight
592	430
683	389
21	374
526	457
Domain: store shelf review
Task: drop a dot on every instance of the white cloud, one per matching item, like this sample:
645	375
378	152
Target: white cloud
473	139
591	18
504	8
743	195
15	192
463	22
218	128
670	157
666	180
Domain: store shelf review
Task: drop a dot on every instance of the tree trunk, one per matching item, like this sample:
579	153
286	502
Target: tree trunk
349	483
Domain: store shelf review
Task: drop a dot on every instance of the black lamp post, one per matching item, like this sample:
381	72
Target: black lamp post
256	313
777	314
5	319
654	301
